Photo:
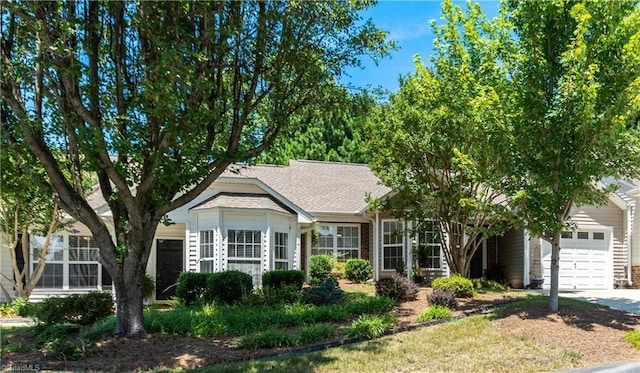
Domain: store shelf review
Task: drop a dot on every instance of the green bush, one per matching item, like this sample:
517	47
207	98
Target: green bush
83	309
61	340
229	286
316	332
370	326
633	337
328	292
148	286
462	287
480	283
434	312
288	294
357	270
444	298
279	278
320	267
192	287
22	307
396	287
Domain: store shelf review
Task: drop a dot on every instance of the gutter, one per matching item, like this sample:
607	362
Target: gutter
375	245
630	214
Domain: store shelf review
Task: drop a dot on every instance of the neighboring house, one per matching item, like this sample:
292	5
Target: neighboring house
264	217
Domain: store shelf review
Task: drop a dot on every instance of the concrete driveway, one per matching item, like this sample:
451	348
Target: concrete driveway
617	299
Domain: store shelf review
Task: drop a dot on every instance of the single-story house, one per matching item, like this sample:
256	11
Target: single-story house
264	217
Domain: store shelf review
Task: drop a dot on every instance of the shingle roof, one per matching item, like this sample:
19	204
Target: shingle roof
243	201
319	187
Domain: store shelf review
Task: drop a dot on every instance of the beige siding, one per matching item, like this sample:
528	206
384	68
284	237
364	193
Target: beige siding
6	267
511	256
535	259
608	215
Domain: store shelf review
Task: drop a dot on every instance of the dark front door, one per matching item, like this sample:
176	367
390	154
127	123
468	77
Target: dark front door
168	267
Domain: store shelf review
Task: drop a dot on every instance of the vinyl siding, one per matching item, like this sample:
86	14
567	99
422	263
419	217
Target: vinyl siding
6	267
511	256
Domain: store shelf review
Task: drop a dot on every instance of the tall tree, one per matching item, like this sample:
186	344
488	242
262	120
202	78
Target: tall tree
158	98
334	131
442	141
577	83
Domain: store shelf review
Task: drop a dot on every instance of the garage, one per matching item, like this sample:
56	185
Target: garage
584	260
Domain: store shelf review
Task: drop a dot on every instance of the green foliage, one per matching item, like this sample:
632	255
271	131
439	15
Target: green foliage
22	307
359	305
357	270
229	286
101	328
279	278
320	267
434	312
192	287
61	341
442	141
9	346
178	102
148	286
271	338
633	337
334	132
396	287
274	338
443	298
480	283
461	286
328	292
370	326
83	309
288	294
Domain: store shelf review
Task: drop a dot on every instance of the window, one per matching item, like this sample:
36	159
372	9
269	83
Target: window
341	241
583	235
392	244
243	252
567	234
281	250
598	235
207	250
430	247
72	263
83	262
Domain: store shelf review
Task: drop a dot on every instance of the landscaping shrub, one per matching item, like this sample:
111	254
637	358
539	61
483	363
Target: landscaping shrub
633	337
280	278
461	286
83	309
369	305
192	287
229	286
22	307
434	312
328	292
148	286
444	298
271	338
370	326
338	269
320	267
61	340
315	333
396	287
357	270
480	283
269	296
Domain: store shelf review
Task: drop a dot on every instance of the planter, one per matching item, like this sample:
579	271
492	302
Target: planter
536	283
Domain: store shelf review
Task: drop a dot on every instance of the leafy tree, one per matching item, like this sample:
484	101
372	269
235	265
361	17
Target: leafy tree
27	206
332	131
442	141
577	84
159	98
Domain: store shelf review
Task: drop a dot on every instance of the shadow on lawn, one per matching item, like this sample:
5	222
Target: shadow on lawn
575	313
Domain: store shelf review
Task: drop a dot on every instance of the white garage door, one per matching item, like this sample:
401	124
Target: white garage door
584	260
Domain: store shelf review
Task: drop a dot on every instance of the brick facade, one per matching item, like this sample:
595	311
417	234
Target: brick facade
365	252
635	277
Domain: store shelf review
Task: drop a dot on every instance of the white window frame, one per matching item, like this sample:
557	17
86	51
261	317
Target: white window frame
207	250
280	250
432	246
59	254
393	244
256	248
335	249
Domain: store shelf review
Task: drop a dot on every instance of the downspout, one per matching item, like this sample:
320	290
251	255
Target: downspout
630	213
527	260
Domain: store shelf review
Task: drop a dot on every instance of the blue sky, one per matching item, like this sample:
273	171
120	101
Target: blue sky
409	24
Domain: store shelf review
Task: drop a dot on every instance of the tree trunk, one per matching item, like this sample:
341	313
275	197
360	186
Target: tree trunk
555	271
129	303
